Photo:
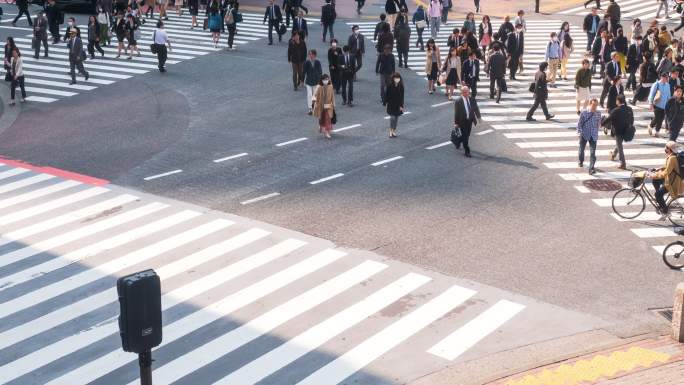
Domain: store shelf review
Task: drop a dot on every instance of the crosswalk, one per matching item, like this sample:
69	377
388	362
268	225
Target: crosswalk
554	143
630	10
243	302
47	79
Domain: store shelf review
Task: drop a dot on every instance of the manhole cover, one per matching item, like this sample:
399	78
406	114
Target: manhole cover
602	184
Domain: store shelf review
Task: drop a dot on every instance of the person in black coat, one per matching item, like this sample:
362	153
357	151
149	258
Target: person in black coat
471	72
299	25
634	57
394	97
505	28
541	93
23	10
620	118
515	45
347	64
385	68
392	9
334	54
615	89
296	55
328	16
590	26
466	115
613	71
357	47
53	15
496	68
274	17
402	32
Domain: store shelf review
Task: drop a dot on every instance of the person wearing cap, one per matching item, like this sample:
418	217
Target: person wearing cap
674	113
357	47
657	100
667	179
76	55
40	29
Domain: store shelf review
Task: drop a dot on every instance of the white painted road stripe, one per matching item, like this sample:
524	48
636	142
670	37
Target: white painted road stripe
222	345
219	160
38	193
381	162
467	336
654	232
327	178
323	332
405	113
260	198
25	182
51	205
442	104
178	329
438	145
484	132
582	189
163	174
346	128
80	233
290	142
380	343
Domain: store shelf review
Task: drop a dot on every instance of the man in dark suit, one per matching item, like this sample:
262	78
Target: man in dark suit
612	71
357	47
496	67
328	16
590	25
515	44
274	18
471	72
621	118
635	56
466	114
347	70
299	25
76	55
40	34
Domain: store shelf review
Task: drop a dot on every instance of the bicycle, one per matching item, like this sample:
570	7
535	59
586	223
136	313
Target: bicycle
630	202
672	255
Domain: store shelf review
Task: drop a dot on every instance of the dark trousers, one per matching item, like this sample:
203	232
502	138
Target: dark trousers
161	55
477	6
631	80
385	80
680	26
674	132
500	82
231	34
513	65
23	11
620	151
289	13
347	86
403	56
335	79
76	65
54	31
465	135
359	61
658	116
641	92
590	40
472	84
359	5
326	28
271	25
538	102
592	151
39	40
604	91
598	3
660	192
94	45
420	38
297	74
19	81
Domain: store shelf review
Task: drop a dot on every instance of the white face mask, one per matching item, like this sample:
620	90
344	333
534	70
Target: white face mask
396	81
334	45
325	82
555	39
70	24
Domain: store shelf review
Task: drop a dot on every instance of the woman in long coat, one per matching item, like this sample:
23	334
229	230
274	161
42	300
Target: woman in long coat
433	62
324	105
394	96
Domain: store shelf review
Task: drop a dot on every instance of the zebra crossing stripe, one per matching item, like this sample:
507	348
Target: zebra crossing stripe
182	327
265	323
323	332
372	348
57	187
24	182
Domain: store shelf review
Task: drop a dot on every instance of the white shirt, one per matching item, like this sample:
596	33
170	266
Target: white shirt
466	104
160	36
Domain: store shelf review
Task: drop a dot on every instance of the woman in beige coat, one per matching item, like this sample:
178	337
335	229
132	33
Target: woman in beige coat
324	105
433	62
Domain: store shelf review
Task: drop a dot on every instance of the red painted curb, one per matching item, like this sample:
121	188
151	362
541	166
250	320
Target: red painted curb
56	172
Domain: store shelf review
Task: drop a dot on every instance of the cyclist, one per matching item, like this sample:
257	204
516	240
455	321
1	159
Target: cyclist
667	179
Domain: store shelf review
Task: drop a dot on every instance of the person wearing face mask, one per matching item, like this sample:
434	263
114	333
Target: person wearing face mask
324	106
103	21
312	76
357	47
394	96
515	45
334	54
553	58
71	26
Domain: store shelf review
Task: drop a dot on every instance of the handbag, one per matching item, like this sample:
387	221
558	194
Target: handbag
153	46
333	120
421	24
238	17
656	99
8	76
456	136
533	87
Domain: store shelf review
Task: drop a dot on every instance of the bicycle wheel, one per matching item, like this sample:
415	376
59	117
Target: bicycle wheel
675	211
628	203
672	255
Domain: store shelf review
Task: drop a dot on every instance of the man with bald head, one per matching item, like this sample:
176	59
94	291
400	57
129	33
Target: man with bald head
466	114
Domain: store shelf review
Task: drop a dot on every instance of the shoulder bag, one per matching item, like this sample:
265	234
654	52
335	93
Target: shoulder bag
153	46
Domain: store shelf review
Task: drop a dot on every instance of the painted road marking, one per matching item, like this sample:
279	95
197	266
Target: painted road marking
163	174
654	232
442	104
485	132
327	178
475	330
260	198
438	145
323	332
582	189
290	142
380	343
219	160
346	128
405	113
25	182
38	193
381	162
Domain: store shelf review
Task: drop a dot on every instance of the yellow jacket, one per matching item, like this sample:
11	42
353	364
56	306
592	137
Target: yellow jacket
670	174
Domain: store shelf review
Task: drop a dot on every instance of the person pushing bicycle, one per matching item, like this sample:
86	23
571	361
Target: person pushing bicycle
667	179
